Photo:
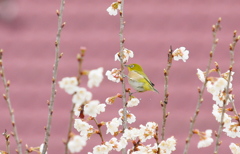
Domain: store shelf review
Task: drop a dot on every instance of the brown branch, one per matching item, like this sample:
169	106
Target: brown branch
232	47
215	28
6	96
122	65
7	136
166	94
54	78
99	125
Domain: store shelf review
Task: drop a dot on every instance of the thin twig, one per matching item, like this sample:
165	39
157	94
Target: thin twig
70	126
7	136
54	78
157	139
6	96
232	47
99	129
215	28
122	65
122	40
166	94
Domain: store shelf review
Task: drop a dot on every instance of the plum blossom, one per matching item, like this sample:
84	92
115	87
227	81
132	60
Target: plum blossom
235	149
93	108
133	102
148	131
69	84
126	54
201	75
232	130
76	143
114	75
95	77
83	127
113	8
102	149
168	146
113	125
217	112
205	138
216	85
81	96
180	53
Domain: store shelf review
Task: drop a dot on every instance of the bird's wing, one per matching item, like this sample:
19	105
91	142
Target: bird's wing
152	84
146	78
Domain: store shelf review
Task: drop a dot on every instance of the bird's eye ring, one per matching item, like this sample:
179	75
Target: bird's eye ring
131	66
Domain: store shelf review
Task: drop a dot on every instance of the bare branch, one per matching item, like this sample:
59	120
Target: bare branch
215	28
6	96
55	68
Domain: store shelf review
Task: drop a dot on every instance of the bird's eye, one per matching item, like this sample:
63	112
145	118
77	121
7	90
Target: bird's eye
131	66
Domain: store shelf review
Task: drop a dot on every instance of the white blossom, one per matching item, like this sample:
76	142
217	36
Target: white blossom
114	75
235	149
120	112
131	134
76	110
102	149
168	146
113	125
221	97
216	85
148	149
126	54
131	118
95	77
113	8
232	130
205	139
133	102
111	100
81	96
76	143
118	145
148	131
83	127
217	112
226	75
201	75
180	53
69	84
93	108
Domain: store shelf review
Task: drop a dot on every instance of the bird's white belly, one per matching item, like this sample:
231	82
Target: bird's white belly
138	86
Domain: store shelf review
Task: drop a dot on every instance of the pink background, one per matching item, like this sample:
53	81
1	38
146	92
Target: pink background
151	27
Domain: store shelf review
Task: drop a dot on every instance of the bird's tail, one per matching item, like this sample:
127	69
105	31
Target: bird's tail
155	90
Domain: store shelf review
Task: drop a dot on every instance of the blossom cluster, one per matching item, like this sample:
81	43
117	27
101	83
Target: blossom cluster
221	90
84	105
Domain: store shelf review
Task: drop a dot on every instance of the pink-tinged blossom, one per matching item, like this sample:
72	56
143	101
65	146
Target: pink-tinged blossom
114	75
126	54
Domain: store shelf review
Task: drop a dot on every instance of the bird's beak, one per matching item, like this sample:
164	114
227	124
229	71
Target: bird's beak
126	65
